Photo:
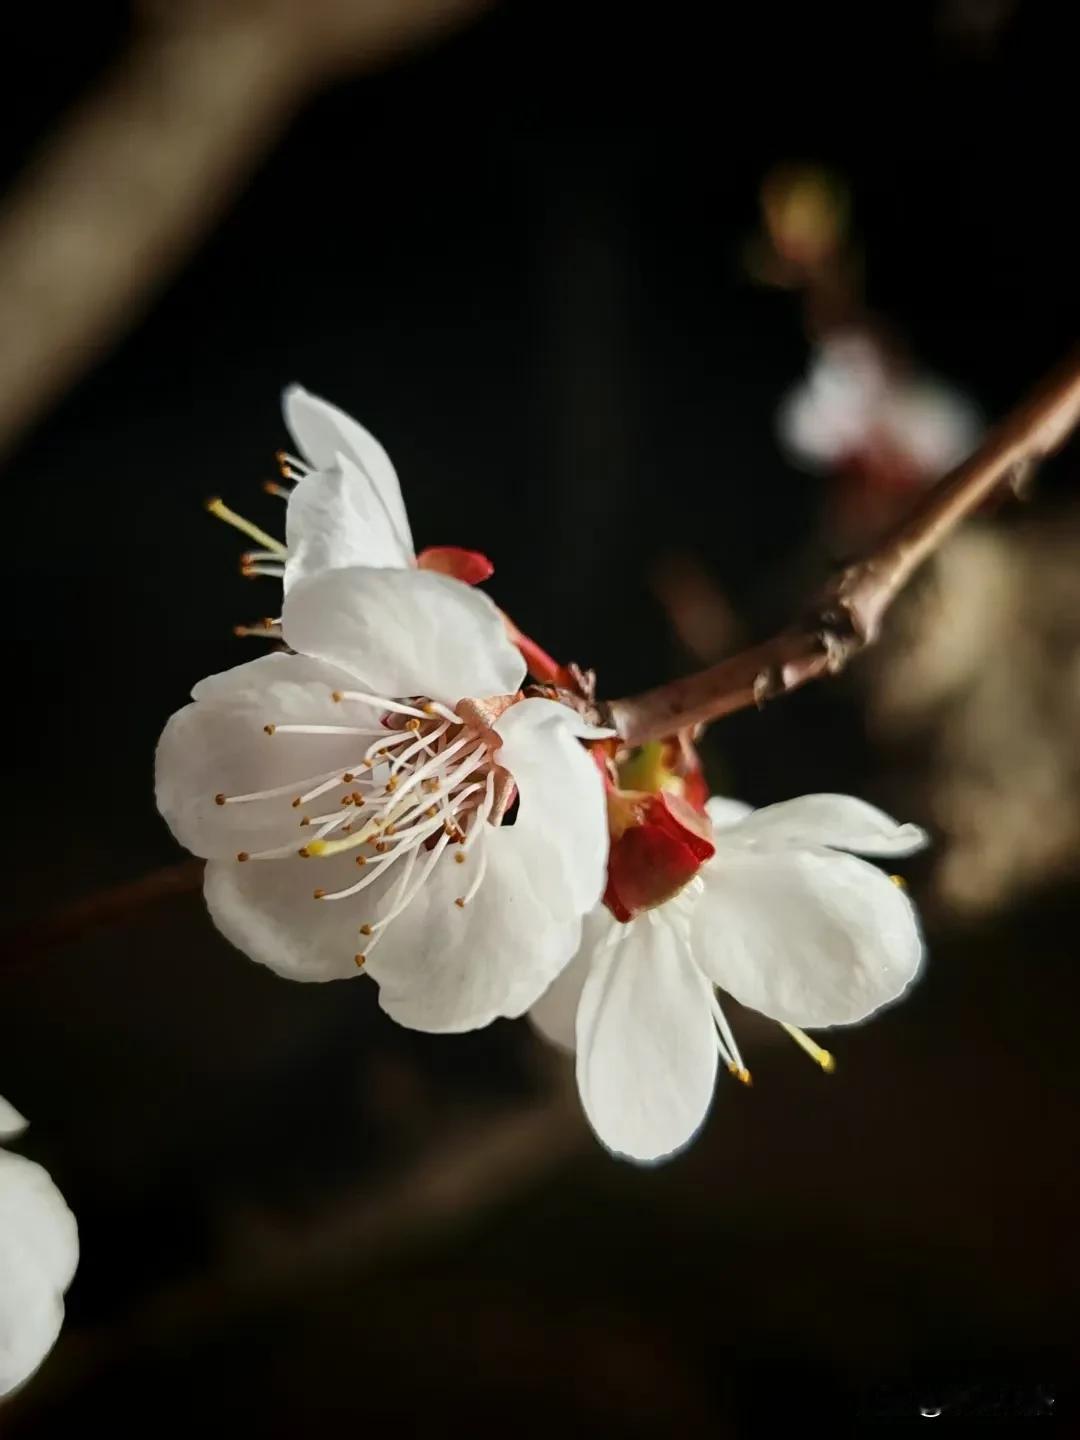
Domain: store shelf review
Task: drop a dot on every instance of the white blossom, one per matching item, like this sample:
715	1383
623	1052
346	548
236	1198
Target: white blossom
781	918
393	740
39	1250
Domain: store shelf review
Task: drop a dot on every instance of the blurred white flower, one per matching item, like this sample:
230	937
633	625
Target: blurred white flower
393	740
851	410
780	918
39	1250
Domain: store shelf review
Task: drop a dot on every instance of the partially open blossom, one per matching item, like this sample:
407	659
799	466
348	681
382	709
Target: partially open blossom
351	800
779	916
345	509
39	1250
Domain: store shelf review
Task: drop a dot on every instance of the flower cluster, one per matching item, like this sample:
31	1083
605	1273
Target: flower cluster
387	796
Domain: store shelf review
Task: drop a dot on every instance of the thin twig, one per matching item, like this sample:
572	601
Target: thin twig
103	907
473	1168
847	616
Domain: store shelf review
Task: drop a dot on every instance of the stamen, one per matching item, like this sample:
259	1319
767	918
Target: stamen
259	632
319	730
273	488
395	707
812	1048
729	1050
481	871
480	818
444	711
221	510
266	572
289	463
406	900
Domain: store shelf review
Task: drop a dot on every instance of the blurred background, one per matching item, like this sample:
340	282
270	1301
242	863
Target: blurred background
678	306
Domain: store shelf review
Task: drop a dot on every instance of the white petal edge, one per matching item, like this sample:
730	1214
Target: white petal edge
809	937
646	1044
555	1014
39	1251
408	632
840	821
723	813
11	1122
322	431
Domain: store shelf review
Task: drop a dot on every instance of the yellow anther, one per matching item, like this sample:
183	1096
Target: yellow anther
337	695
296	803
413	724
811	1047
269	729
899	881
242	855
221	510
219	798
365	929
460	902
361	859
358	961
319	894
460	857
741	1074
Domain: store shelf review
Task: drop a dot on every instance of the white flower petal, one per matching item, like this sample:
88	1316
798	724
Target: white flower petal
809	937
646	1046
335	519
839	821
33	1210
562	811
723	813
408	632
555	1013
11	1122
218	745
322	432
39	1250
444	968
267	909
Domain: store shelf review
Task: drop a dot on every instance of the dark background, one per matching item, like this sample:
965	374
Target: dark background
518	258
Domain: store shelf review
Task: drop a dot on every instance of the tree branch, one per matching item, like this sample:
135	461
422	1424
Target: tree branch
847	616
102	908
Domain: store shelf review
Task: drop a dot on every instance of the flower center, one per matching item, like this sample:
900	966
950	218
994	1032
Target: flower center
424	779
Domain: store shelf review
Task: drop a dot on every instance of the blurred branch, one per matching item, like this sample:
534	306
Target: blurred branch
470	1169
140	170
848	615
103	907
